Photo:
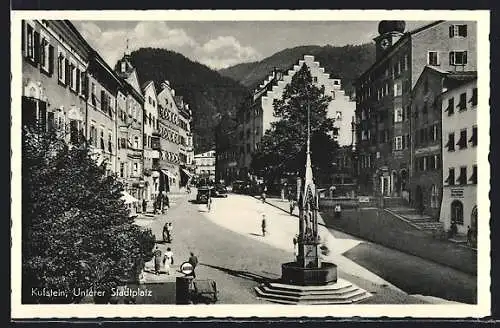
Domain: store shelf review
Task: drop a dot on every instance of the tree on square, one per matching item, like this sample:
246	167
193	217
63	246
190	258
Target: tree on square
283	147
77	233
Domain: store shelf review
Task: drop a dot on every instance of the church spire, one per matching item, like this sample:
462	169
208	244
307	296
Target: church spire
127	50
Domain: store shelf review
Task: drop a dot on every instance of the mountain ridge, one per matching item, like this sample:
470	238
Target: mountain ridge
206	91
344	62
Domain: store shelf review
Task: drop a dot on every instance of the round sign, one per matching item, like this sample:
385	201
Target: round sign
186	268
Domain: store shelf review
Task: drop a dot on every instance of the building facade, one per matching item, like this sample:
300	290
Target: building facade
101	114
256	115
186	152
205	166
383	96
131	129
54	66
150	126
459	134
168	120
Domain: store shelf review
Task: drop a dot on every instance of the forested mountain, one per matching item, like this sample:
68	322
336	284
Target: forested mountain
346	63
205	90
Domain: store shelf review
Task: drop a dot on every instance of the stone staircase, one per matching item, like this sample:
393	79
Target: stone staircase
341	292
419	221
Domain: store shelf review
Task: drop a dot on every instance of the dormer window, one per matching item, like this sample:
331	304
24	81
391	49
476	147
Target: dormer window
124	67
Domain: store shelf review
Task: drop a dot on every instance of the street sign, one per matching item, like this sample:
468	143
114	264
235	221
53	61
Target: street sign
186	268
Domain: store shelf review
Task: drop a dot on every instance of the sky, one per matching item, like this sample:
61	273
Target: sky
220	44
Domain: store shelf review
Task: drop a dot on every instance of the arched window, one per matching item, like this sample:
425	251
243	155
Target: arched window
457	212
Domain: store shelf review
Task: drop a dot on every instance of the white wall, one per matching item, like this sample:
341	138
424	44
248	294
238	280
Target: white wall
460	157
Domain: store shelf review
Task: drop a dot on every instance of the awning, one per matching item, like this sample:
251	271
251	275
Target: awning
128	198
187	173
168	174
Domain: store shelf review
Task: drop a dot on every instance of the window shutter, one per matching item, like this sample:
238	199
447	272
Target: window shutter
23	38
452	61
103	95
66	71
51	60
451	31
85	84
464	60
36	46
77	80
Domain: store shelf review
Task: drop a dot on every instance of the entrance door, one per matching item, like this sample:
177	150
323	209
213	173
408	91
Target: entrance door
419	199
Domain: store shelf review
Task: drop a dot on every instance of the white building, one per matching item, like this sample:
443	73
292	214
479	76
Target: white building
341	108
204	164
459	135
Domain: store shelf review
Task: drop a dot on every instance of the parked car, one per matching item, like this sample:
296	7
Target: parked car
219	191
203	194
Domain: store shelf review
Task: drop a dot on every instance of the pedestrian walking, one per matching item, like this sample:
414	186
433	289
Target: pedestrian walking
193	260
168	260
167	232
158	260
263	225
209	201
144	205
264	194
296	245
291	204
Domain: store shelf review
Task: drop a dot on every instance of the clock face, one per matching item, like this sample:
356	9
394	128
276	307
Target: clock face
385	44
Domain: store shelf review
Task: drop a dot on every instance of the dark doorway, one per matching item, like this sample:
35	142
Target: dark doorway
419	199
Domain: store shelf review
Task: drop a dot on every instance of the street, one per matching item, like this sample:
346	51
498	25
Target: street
231	251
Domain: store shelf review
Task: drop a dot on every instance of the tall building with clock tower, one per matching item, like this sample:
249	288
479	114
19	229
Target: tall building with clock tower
384	104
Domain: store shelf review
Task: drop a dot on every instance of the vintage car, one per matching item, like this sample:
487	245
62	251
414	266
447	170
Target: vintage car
203	194
219	191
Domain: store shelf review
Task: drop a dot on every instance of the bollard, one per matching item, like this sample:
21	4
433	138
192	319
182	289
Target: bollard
182	292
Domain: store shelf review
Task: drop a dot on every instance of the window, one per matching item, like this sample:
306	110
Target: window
473	138
398	90
473	99
473	177
110	144
462	104
451	177
434	132
83	84
315	79
458	58
136	142
433	58
124	66
451	142
122	170
30	42
248	148
462	179
406	62
458	31
46	56
74	132
338	116
101	139
462	142
398	143
387	89
437	162
136	167
398	114
451	106
73	77
61	68
431	163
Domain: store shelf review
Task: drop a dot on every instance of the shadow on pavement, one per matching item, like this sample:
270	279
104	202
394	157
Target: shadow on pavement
255	234
242	274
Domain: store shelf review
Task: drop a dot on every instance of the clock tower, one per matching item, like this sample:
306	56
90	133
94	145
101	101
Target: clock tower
389	33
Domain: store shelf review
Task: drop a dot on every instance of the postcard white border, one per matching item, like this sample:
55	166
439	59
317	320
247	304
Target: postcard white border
20	311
